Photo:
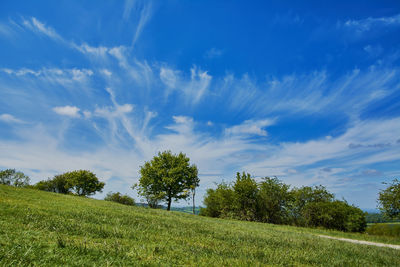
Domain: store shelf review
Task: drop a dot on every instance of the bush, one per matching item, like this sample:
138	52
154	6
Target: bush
119	198
334	215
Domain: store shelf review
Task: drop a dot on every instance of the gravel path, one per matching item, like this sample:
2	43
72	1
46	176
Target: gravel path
362	242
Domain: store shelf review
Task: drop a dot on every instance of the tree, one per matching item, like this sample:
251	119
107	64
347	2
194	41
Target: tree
307	194
84	183
119	198
81	182
219	202
273	201
246	190
13	178
167	177
389	199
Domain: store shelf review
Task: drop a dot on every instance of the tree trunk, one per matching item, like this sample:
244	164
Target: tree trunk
169	203
193	193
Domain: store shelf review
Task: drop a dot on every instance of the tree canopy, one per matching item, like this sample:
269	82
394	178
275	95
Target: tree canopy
167	177
389	199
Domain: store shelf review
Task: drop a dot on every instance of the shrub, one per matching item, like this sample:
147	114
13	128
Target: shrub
334	215
119	198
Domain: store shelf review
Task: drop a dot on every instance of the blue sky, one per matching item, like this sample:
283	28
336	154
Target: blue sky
308	92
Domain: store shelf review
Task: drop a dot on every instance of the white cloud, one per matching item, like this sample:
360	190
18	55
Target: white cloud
250	127
79	75
35	25
106	72
168	77
62	76
145	15
198	85
70	111
9	118
100	51
367	24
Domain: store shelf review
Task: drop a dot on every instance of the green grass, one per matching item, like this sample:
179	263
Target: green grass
45	229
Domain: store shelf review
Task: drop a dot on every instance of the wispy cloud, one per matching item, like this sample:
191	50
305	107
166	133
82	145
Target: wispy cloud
10	118
69	111
363	25
193	88
37	26
127	9
145	15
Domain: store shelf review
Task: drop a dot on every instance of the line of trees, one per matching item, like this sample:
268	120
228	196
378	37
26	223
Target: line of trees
272	201
170	177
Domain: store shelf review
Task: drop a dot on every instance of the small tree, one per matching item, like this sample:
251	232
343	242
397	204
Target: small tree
389	199
167	177
13	178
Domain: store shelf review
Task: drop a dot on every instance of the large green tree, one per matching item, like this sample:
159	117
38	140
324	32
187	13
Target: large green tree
167	177
389	199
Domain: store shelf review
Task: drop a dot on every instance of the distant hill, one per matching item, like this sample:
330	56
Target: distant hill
39	228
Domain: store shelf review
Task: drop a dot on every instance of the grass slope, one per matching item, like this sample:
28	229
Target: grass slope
46	229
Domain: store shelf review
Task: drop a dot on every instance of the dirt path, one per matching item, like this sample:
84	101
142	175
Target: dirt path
362	242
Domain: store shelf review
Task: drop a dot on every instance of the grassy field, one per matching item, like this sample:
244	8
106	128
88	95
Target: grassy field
47	229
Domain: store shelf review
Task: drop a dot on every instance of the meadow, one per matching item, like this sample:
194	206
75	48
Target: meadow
39	228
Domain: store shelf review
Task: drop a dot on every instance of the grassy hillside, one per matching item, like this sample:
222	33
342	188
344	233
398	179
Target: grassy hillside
47	229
